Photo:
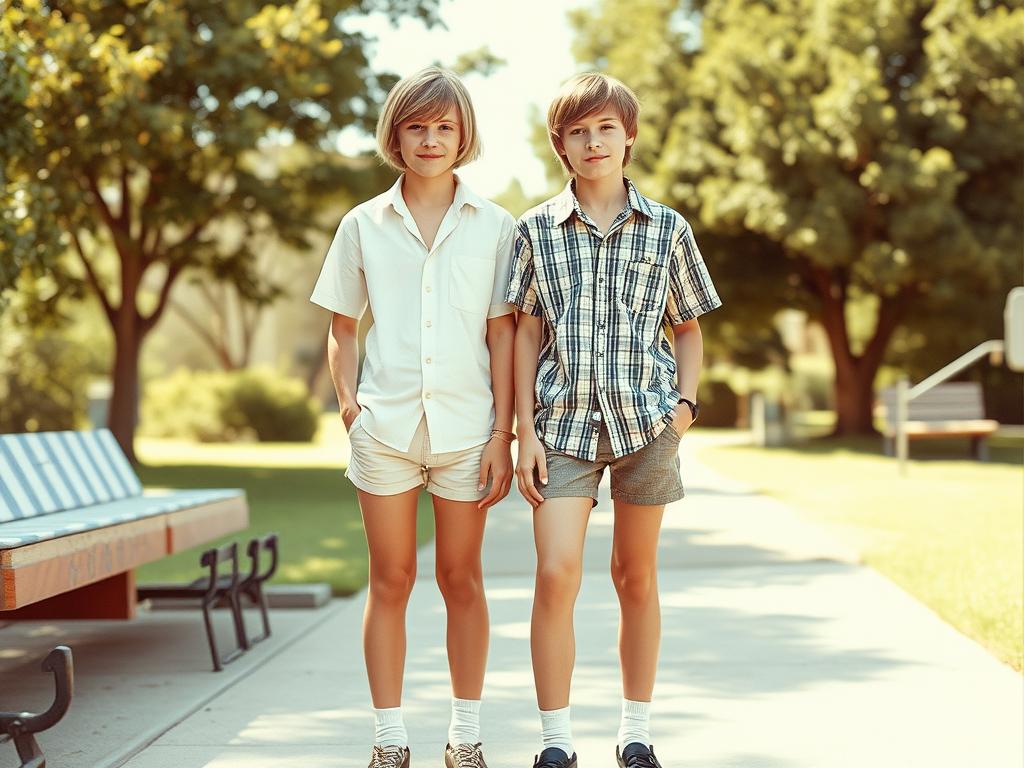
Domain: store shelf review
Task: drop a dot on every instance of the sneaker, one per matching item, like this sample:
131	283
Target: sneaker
464	756
553	757
389	757
636	755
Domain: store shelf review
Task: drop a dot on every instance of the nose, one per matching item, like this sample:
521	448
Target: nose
429	138
593	140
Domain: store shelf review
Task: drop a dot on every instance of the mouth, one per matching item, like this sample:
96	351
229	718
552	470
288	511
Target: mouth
597	158
430	157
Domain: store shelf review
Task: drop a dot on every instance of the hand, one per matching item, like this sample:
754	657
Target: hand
348	416
496	462
681	419
531	456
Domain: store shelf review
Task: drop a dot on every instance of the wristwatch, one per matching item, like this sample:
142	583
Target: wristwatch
694	407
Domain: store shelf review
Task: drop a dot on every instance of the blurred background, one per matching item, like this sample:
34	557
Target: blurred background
174	170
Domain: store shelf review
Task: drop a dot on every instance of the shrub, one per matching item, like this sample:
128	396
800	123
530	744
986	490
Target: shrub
216	406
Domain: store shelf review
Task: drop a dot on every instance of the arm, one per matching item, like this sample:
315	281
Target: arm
688	347
497	457
531	450
343	359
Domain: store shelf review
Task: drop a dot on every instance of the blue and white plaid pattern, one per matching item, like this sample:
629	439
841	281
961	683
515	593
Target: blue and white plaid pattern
605	355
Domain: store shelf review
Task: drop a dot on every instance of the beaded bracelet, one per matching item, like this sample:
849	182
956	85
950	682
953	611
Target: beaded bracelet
501	434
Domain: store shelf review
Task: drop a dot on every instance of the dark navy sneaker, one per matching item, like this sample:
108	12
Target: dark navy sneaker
637	755
553	757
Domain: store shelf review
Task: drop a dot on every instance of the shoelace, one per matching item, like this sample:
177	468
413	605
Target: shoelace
387	757
468	755
641	760
548	764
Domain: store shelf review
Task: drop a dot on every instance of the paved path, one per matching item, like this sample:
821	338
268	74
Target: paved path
779	651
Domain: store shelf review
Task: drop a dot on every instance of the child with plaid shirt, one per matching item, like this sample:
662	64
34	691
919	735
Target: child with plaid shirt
600	273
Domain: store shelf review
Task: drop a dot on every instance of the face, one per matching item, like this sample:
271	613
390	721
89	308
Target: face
596	144
430	147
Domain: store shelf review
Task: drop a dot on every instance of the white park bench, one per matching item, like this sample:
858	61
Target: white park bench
952	409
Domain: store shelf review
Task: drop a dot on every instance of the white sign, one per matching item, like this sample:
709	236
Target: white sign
1013	330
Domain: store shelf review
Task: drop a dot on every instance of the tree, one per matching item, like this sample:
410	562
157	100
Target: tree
836	156
148	124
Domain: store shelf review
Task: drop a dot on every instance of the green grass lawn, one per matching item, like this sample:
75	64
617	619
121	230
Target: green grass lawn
296	490
951	532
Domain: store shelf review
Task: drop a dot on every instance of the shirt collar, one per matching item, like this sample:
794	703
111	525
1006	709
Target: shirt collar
565	202
463	196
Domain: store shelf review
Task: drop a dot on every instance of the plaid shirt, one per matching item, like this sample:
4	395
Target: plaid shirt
605	355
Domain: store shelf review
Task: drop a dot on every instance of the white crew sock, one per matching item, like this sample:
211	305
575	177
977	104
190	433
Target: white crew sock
556	729
465	724
389	728
635	724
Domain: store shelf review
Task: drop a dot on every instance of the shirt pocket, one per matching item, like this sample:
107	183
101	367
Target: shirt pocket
471	284
646	284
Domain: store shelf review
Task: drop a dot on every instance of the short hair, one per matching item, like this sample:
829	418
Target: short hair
584	95
426	95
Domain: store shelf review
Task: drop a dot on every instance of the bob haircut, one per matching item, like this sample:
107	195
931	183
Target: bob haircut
582	96
426	95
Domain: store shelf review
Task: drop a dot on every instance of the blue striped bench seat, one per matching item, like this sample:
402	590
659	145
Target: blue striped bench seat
75	522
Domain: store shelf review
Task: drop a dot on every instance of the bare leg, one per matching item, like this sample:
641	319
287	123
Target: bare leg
459	535
635	575
390	523
559	528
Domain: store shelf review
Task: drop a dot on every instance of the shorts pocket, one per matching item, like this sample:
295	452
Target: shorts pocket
471	284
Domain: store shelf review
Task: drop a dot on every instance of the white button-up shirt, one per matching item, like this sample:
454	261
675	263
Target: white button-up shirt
426	352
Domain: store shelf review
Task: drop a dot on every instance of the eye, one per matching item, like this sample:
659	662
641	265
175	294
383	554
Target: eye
608	127
575	131
447	128
414	126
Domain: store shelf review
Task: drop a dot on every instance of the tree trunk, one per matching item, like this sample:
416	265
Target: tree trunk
124	402
854	395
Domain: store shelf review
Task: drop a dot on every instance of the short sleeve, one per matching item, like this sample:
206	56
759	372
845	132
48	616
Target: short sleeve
341	286
522	283
502	265
691	292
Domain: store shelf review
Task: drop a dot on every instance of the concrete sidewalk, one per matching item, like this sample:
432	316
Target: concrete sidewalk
779	651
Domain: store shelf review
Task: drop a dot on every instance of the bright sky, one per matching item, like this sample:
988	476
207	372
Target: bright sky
534	40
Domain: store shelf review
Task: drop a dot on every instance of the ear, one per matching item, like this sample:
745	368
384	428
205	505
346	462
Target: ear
630	140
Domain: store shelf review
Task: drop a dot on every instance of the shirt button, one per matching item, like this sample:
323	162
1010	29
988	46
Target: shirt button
427	289
428	360
427	395
600	280
428	323
596	416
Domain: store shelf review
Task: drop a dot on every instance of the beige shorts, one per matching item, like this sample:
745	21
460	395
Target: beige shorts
383	471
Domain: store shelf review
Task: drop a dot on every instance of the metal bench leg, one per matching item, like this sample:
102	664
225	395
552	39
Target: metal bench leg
211	559
980	448
21	727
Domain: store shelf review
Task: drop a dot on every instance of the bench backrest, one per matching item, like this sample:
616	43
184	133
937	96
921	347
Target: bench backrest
952	401
46	472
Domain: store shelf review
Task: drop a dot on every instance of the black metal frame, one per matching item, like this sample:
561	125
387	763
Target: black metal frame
215	591
21	726
252	586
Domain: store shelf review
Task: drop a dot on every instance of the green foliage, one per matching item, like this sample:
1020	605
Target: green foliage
47	358
276	408
219	406
832	151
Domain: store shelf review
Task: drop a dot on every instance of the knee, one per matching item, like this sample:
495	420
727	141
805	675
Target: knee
392	584
460	586
634	582
558	581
